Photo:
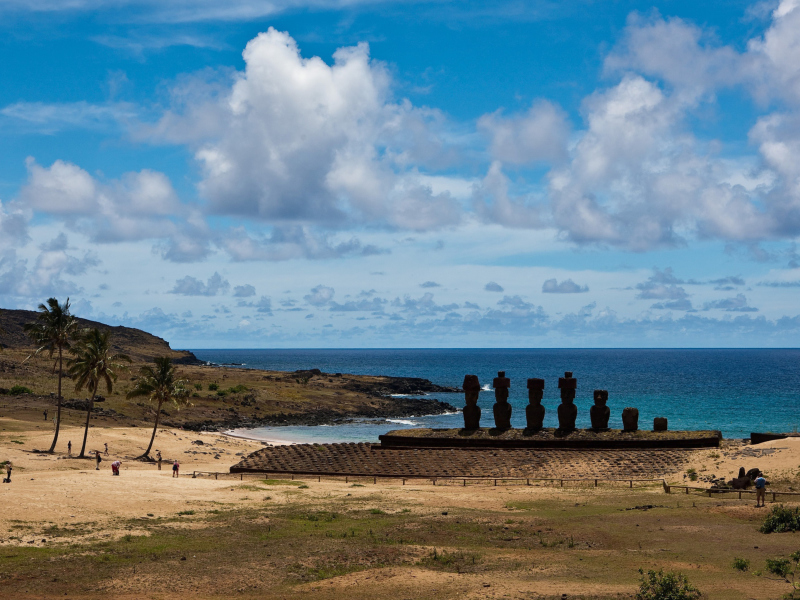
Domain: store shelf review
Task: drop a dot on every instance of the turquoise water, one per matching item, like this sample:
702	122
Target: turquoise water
734	390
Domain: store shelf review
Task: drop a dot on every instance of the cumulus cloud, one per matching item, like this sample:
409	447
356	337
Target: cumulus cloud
541	134
493	287
320	295
291	242
13	227
138	206
429	284
296	140
190	286
46	276
263	305
736	304
244	291
494	202
663	285
374	305
551	286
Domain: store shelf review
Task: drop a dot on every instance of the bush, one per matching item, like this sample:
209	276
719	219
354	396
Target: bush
198	386
20	389
666	586
213	387
781	519
237	389
692	473
741	564
779	566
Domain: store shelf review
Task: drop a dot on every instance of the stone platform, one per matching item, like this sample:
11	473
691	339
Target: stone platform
374	460
586	439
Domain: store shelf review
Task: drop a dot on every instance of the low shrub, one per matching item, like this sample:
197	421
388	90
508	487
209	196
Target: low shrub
781	519
20	389
741	564
779	566
666	586
213	387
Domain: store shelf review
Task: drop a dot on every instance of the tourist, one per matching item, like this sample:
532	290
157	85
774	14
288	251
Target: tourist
115	467
158	457
8	473
761	490
98	459
45	414
175	468
69	448
106	445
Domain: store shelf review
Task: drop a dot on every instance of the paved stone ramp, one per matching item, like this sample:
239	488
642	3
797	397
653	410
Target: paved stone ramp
372	460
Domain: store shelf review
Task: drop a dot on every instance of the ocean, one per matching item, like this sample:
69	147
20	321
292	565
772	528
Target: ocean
734	390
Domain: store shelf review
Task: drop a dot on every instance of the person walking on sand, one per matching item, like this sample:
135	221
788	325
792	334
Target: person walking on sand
98	459
106	445
69	448
175	468
761	490
8	473
45	414
115	467
158	458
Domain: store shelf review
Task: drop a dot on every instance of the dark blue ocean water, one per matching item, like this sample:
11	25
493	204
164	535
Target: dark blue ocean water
734	390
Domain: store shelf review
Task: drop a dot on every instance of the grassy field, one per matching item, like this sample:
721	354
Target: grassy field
337	540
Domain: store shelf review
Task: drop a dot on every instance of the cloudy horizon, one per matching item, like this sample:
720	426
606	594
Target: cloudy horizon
383	174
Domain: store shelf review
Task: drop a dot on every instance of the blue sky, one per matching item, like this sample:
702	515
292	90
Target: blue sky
356	173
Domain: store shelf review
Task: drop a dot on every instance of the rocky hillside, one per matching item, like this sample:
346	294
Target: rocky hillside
139	345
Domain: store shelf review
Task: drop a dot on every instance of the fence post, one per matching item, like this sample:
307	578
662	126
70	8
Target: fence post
687	490
631	482
215	476
595	483
404	480
773	496
374	480
562	482
241	477
527	482
740	495
465	483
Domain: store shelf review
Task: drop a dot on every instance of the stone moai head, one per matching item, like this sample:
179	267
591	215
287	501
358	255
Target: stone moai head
600	397
472	389
535	390
568	386
501	383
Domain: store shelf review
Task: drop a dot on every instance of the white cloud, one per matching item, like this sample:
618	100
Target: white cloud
297	140
244	291
191	286
541	134
137	206
567	286
320	295
51	118
493	287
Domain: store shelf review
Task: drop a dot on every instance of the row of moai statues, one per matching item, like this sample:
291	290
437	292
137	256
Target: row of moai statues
534	412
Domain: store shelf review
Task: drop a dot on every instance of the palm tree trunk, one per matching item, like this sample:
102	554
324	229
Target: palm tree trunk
88	415
58	411
152	437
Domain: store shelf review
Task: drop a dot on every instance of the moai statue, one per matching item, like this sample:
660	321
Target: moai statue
472	412
534	412
600	413
502	409
660	424
630	419
567	411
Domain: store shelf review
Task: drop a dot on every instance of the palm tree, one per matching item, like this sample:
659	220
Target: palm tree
160	384
53	332
92	364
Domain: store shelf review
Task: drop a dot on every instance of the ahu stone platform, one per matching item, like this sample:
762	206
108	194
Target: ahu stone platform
587	439
366	459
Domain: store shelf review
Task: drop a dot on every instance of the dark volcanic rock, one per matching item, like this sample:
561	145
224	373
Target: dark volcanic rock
386	386
398	407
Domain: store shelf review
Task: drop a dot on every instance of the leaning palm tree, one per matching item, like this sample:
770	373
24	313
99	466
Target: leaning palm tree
53	332
93	363
161	385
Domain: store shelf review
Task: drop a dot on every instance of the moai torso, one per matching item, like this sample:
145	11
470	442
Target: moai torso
630	419
534	412
502	409
567	411
600	413
472	412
